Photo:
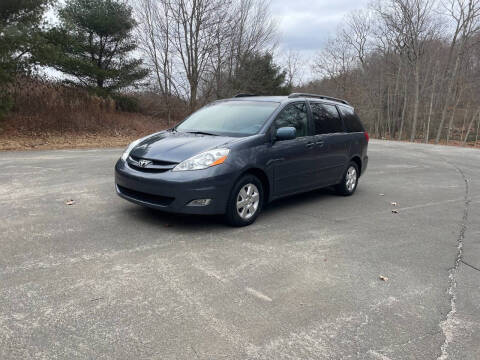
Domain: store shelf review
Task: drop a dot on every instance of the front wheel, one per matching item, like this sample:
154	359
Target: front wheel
349	182
245	202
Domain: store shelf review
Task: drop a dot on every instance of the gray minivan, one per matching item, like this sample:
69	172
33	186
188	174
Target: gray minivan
235	155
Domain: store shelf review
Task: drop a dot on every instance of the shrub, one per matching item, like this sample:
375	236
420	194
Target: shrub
41	106
126	103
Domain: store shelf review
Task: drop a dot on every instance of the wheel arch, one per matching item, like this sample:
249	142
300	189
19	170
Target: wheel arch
356	159
263	177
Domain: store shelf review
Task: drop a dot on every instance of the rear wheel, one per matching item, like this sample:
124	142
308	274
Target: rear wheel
245	202
349	182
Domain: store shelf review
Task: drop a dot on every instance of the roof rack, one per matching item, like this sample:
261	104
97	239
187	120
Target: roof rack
296	95
244	95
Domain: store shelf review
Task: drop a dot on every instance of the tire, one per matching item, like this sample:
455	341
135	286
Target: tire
345	187
242	216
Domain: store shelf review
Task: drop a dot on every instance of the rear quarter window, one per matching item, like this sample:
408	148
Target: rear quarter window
351	120
326	119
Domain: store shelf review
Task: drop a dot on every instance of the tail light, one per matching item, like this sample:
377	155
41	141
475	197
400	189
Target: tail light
366	136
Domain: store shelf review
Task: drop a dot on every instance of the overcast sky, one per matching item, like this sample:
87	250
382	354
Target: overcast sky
305	25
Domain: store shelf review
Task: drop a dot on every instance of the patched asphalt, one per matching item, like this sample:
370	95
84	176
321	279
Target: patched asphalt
106	279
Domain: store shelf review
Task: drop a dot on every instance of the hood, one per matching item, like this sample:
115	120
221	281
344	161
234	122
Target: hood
177	146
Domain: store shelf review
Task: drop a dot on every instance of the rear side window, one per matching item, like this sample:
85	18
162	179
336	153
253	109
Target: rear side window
351	120
326	119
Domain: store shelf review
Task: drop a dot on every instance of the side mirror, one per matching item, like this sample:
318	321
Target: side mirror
286	133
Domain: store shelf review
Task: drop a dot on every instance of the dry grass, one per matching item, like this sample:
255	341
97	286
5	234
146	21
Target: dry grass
50	115
63	142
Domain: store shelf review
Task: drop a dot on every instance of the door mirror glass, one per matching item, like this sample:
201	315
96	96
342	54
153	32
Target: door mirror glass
286	133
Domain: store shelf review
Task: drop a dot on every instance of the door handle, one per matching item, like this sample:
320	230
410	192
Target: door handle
309	145
320	143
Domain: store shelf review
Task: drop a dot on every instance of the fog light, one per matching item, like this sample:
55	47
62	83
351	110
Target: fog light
200	202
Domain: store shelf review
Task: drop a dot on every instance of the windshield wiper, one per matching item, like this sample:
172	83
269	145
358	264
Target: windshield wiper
201	133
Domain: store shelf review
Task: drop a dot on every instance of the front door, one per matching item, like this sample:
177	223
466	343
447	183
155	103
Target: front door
292	160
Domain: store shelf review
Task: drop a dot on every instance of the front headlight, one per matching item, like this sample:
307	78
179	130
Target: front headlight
203	160
130	148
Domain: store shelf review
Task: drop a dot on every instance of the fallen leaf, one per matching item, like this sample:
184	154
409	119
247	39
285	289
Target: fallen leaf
70	202
383	278
394	203
381	194
394	211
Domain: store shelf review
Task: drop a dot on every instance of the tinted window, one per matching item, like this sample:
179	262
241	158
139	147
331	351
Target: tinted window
230	117
294	115
326	119
351	120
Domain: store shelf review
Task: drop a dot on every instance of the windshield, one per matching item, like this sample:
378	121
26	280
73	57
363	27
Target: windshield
237	118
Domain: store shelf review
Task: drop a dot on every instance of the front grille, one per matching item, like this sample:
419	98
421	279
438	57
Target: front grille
156	166
147	169
149	198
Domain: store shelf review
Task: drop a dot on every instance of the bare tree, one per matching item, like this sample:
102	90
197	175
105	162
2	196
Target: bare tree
411	21
336	62
405	61
465	15
154	38
293	66
472	121
196	46
430	109
357	33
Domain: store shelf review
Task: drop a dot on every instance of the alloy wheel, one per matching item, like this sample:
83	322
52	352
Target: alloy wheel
248	199
351	178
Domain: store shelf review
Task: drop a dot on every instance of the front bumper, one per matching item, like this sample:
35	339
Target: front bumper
172	191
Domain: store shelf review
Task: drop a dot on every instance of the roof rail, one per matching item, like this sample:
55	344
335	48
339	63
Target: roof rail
296	95
244	95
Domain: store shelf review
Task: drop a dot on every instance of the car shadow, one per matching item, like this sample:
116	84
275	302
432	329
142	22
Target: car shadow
300	199
207	222
171	221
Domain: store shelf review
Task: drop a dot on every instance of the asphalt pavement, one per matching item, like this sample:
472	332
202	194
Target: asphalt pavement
106	279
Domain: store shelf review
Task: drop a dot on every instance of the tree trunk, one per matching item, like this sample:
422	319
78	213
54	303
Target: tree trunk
447	98
477	113
417	103
464	123
193	97
403	112
452	118
478	128
395	100
427	131
388	113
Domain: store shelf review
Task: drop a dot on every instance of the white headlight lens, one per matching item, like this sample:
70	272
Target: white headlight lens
130	148
203	160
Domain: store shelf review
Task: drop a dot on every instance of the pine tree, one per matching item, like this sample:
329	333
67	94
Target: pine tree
93	45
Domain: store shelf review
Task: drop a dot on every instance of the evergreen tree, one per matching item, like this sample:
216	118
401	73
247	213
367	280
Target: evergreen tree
20	26
93	44
259	75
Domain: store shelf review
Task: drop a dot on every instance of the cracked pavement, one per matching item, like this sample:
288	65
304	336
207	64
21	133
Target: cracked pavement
107	279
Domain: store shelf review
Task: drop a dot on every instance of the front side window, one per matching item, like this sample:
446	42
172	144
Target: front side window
235	118
326	119
294	115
